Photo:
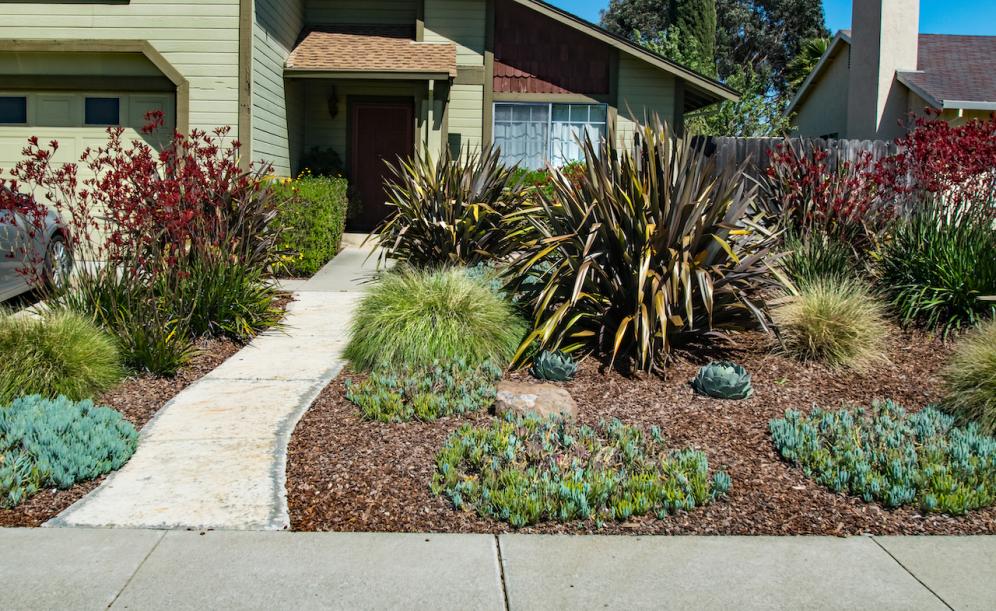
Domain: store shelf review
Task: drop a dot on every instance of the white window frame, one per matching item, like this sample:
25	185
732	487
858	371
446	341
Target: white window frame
550	121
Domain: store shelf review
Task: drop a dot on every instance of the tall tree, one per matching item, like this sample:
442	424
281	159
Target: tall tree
769	32
696	20
628	17
764	34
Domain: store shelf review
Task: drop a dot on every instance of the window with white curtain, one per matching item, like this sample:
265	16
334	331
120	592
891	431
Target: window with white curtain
531	134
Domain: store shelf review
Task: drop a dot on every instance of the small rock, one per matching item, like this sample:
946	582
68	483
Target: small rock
545	400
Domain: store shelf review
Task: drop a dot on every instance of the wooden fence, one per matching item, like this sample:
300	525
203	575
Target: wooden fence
734	151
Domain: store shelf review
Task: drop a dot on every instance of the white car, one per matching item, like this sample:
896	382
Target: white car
22	247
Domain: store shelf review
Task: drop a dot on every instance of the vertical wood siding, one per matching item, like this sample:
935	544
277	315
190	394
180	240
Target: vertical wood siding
535	54
277	24
200	39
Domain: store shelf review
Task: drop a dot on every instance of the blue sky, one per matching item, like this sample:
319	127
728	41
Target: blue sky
936	16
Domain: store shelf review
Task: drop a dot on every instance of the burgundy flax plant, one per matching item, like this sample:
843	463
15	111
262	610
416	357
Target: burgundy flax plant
172	243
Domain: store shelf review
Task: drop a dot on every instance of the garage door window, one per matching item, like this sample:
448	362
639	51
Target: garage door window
13	110
102	111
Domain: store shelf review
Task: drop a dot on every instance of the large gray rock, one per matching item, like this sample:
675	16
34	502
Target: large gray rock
545	400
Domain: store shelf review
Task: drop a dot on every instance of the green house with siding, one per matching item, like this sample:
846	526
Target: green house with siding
357	80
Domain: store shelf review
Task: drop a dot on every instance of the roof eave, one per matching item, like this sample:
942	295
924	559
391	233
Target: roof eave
841	38
323	73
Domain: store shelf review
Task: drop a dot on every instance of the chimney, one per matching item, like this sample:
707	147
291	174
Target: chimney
884	40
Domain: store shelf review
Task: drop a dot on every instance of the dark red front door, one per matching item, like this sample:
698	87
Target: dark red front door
382	130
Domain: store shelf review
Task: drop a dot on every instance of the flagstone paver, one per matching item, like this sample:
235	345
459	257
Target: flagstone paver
215	456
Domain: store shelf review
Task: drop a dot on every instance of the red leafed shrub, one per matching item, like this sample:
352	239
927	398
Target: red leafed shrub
171	244
937	158
811	193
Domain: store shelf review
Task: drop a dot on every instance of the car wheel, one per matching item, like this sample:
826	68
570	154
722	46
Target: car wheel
58	263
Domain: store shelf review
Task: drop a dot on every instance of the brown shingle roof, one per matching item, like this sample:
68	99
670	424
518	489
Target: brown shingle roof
370	49
955	68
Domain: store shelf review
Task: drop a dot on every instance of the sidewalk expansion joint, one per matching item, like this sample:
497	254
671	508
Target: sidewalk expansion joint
137	569
911	573
501	572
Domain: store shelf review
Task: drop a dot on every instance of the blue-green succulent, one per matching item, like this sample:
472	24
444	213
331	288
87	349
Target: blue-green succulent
58	443
524	470
889	456
723	380
554	367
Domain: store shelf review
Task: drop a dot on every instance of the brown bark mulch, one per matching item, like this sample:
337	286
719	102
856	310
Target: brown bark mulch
347	474
138	399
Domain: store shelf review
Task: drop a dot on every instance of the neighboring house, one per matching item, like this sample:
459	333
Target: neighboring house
871	78
367	79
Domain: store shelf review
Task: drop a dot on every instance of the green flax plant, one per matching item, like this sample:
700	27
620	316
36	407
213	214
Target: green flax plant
449	210
647	246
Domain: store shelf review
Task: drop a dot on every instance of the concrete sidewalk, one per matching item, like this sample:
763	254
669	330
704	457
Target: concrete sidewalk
215	456
97	569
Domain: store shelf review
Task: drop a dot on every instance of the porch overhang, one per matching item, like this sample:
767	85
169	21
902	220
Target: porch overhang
368	75
370	52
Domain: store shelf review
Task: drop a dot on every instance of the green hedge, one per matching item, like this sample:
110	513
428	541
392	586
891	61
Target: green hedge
314	218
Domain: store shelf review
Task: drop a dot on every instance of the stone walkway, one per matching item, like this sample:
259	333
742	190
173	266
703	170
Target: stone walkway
215	456
176	570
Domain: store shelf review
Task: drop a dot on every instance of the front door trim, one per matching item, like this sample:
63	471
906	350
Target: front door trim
352	101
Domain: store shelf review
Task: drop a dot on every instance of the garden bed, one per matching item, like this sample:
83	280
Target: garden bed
138	399
347	474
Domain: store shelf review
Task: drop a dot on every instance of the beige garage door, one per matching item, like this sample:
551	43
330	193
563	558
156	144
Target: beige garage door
77	119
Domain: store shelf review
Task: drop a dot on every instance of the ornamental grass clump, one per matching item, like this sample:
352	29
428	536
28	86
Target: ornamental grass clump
58	443
59	353
888	456
836	322
970	379
426	394
941	262
420	317
526	470
645	247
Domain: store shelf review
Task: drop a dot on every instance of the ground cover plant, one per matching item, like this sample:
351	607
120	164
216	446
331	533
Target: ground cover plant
449	210
525	470
893	457
313	218
835	321
402	394
939	263
970	379
419	317
57	443
59	353
650	246
183	234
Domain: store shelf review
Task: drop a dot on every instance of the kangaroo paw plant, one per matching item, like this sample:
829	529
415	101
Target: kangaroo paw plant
554	367
888	456
58	443
525	470
723	380
424	393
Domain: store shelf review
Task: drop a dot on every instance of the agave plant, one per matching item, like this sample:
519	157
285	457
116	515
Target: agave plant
448	211
643	246
554	366
723	380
